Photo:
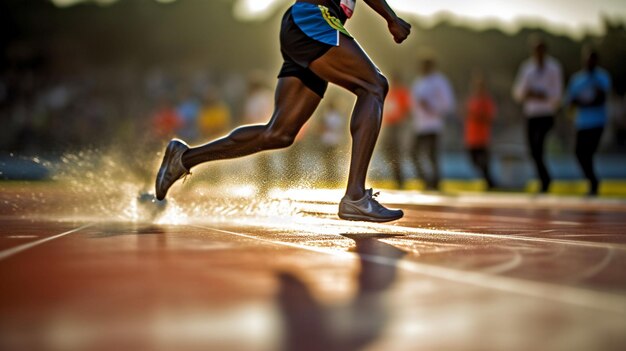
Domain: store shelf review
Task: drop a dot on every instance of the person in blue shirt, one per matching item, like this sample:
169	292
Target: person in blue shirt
587	91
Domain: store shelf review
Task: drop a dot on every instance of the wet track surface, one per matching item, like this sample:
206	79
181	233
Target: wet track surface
475	272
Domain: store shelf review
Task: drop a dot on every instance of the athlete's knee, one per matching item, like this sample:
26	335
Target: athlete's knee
377	87
384	83
277	139
382	86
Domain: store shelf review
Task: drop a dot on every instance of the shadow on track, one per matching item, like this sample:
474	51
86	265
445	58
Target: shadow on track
309	325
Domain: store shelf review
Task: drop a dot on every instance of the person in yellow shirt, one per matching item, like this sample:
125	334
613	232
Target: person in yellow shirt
215	118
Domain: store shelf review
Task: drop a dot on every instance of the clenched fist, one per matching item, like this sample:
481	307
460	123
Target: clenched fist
400	29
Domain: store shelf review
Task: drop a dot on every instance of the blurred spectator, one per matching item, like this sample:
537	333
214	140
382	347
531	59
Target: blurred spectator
539	86
397	108
259	101
188	109
332	136
215	118
480	112
432	99
588	91
165	120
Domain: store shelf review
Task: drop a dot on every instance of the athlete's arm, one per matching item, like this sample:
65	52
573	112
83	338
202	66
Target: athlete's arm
398	27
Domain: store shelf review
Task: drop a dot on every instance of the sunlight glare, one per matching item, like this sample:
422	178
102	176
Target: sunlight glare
247	10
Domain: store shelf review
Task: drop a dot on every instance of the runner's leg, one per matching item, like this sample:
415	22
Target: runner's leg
294	105
348	66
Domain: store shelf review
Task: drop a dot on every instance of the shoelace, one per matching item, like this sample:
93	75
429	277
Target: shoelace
185	176
372	197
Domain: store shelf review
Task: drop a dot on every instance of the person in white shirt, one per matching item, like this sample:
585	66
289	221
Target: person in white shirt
539	87
431	99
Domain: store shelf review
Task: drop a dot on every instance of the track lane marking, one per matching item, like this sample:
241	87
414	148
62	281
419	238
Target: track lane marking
392	228
15	250
420	231
558	293
412	230
503	267
497	218
517	237
596	269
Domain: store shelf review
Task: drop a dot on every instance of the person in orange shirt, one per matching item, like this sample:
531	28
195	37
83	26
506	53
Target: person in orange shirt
480	113
395	112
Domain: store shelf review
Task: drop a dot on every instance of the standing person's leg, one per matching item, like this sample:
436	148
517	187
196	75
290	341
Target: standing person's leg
538	128
473	156
474	153
419	150
587	142
294	105
481	161
434	160
533	143
392	153
348	66
546	125
485	166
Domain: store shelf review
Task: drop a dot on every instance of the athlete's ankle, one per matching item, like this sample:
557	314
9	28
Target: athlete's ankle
354	194
185	160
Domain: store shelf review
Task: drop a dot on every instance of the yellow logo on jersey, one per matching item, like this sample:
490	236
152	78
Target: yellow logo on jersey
333	21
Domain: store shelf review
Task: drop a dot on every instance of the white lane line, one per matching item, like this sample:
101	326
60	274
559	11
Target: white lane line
563	294
497	218
22	236
530	239
309	221
15	250
565	223
494	218
596	269
410	230
509	265
421	231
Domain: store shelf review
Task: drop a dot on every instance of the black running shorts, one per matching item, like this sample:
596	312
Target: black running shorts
298	51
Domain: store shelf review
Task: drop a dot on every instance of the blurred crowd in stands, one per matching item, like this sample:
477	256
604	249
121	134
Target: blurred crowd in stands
425	116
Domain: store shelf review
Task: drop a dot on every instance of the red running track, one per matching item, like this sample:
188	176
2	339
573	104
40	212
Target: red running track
471	272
